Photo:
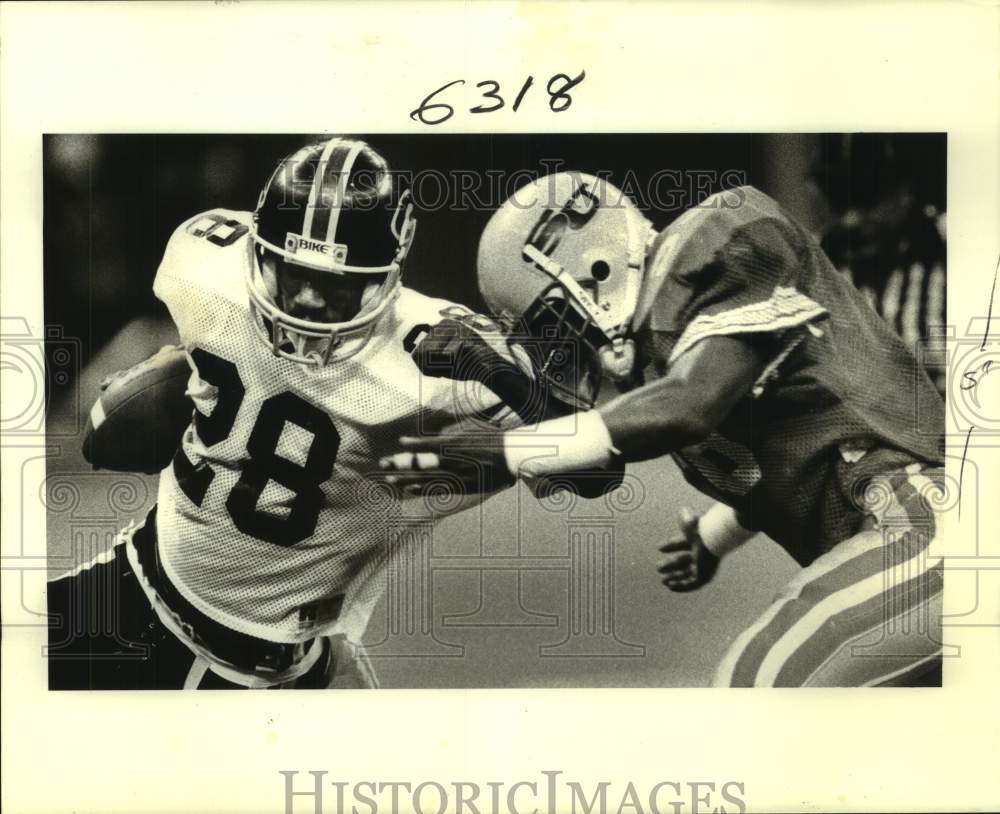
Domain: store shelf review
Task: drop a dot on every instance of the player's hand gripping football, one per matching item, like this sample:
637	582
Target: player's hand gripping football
466	463
688	564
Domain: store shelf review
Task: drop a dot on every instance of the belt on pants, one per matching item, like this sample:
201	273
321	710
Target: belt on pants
243	651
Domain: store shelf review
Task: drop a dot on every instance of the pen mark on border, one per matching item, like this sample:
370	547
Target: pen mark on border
961	470
989	314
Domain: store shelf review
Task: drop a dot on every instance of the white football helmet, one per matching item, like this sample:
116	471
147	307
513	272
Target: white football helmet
561	264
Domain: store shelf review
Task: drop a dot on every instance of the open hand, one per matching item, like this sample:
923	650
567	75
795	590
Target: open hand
688	564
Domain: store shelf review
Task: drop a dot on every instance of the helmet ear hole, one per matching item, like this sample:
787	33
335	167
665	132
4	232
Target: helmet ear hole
600	270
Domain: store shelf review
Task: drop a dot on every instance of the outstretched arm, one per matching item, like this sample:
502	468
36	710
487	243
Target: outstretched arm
471	349
699	391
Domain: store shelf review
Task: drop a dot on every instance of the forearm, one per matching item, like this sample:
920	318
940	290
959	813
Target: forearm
657	419
668	414
681	409
454	349
646	423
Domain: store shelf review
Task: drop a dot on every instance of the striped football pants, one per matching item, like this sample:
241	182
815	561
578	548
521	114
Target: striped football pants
866	613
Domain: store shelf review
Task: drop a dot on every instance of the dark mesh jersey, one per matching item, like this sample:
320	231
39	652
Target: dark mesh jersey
841	398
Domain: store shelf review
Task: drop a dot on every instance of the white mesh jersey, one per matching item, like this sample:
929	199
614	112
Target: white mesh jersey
266	522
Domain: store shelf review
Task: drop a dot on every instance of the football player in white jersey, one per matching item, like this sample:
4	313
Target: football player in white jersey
261	562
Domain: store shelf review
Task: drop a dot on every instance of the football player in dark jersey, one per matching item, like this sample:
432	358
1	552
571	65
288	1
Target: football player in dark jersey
742	352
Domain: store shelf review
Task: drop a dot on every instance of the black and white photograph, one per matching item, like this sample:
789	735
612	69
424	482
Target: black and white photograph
490	411
587	408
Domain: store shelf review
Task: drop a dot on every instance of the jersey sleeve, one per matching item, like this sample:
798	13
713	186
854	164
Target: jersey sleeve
169	285
734	265
201	263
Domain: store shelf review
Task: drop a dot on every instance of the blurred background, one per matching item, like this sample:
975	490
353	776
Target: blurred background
877	202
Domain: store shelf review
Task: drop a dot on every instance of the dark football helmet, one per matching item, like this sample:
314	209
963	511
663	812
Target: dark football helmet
330	208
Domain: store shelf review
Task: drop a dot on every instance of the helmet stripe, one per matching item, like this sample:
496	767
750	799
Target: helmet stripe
331	228
322	169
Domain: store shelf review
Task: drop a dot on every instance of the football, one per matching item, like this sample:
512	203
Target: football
140	415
